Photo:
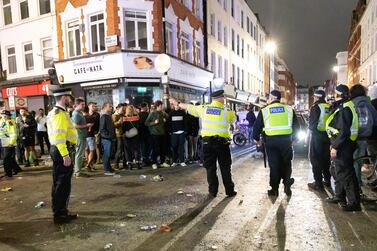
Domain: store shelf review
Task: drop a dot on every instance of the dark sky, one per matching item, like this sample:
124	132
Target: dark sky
309	33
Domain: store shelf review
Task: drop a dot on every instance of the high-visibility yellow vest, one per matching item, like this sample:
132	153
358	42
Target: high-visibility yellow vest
8	133
215	119
61	129
323	117
354	130
278	119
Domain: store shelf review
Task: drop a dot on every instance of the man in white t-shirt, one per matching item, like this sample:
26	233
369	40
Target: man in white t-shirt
42	130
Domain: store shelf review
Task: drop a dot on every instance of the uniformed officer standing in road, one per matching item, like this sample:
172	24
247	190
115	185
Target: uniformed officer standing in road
215	123
319	147
63	137
278	123
342	128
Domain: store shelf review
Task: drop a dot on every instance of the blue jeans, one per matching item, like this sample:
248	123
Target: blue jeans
106	145
250	136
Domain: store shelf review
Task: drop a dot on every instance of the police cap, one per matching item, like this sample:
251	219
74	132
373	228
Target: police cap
62	92
275	94
5	112
217	94
342	89
320	94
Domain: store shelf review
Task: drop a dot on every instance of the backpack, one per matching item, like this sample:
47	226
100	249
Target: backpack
366	121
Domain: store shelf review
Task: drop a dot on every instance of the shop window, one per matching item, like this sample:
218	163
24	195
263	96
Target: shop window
24	9
12	63
225	36
198	53
7	11
136	30
97	31
74	39
28	54
169	40
47	52
44	7
185	47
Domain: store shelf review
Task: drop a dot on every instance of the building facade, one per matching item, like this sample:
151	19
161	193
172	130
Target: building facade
302	98
236	42
28	46
341	68
286	83
107	49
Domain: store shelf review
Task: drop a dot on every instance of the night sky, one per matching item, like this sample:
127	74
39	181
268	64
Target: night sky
309	33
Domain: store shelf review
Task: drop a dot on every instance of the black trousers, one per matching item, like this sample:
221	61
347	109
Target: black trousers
132	148
319	155
217	150
9	161
146	146
159	148
61	186
280	155
42	136
346	184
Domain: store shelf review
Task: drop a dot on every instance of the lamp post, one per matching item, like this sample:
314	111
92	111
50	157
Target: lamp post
163	64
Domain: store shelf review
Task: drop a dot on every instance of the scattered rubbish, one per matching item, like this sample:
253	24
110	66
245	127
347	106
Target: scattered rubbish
214	247
131	215
206	222
143	177
39	204
148	227
255	217
180	191
189	195
112	230
165	228
240	203
122	224
5	198
21	202
84	202
37	234
116	176
352	245
20	178
158	178
6	189
108	246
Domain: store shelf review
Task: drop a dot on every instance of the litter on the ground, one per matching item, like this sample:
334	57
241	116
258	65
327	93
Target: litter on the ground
148	227
108	246
6	189
189	195
241	201
122	224
21	202
165	228
180	192
142	177
131	215
84	202
116	176
39	204
158	178
20	178
214	247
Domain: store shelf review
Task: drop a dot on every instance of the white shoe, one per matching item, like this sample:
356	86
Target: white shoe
165	165
154	166
174	164
109	174
183	164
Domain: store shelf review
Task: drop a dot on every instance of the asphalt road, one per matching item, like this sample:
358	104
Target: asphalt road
249	221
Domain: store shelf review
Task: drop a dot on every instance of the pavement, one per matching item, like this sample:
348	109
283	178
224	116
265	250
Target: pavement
112	211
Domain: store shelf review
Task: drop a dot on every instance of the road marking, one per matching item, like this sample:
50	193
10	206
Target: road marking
357	236
335	233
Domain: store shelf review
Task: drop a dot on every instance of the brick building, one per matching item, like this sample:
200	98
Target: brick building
107	48
286	83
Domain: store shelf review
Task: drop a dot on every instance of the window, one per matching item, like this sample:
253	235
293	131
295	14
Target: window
185	46
233	74
12	64
232	7
7	11
248	25
233	40
213	62
225	36
47	52
238	45
251	28
169	38
198	53
220	67
97	31
241	19
226	77
136	30
225	3
242	80
219	30
28	54
242	48
198	8
74	39
213	24
24	9
44	7
238	77
248	52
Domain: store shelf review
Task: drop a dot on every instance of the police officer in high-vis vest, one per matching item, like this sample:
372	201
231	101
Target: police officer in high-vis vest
8	135
216	119
63	137
278	124
342	129
319	147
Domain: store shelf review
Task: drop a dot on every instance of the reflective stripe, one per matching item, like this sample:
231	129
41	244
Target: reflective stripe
215	122
58	141
196	111
282	120
56	131
276	128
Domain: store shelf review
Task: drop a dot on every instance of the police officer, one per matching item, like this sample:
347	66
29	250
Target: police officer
215	123
8	135
342	129
277	122
319	148
63	137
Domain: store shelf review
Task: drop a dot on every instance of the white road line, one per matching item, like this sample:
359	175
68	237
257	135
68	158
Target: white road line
335	233
357	236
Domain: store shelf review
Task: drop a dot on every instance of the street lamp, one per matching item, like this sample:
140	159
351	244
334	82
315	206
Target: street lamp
335	68
163	64
270	47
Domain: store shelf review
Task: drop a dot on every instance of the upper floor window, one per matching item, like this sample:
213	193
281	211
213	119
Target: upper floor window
213	62
97	31
28	54
226	70
219	30
185	46
241	19
44	7
225	36
220	67
12	63
169	40
212	24
24	9
198	52
225	3
248	25
232	10
74	39
233	40
238	44
198	8
136	30
47	52
7	11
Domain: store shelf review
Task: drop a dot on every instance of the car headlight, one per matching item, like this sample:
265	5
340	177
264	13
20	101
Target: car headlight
302	135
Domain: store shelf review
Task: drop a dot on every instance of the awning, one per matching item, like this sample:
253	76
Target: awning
101	84
237	101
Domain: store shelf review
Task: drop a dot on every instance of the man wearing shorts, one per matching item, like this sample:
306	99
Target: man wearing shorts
91	118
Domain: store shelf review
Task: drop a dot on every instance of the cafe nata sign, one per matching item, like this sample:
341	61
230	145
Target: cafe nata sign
88	67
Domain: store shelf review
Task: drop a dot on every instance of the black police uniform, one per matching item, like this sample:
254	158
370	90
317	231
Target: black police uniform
279	152
319	148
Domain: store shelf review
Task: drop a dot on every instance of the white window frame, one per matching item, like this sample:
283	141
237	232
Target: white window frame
97	23
28	11
169	38
11	55
185	39
76	26
39	7
43	49
226	36
213	24
10	8
198	52
136	20
26	54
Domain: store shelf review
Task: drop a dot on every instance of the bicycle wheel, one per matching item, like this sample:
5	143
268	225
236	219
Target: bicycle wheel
239	139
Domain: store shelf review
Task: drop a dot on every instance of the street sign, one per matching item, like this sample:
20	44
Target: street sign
111	41
12	102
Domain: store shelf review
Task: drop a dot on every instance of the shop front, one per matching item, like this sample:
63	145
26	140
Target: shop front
131	77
